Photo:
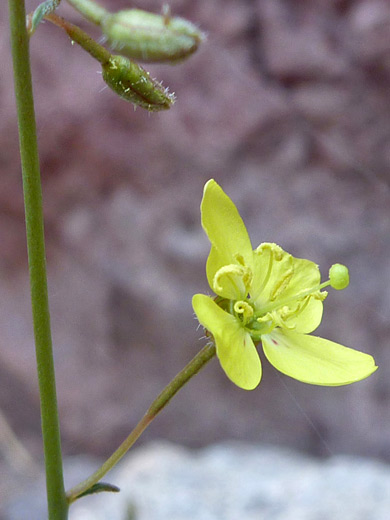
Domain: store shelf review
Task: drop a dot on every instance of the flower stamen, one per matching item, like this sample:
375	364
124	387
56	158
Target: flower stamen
275	255
239	277
244	310
281	285
315	292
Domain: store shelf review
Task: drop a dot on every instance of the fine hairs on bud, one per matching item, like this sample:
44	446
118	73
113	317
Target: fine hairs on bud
150	37
133	83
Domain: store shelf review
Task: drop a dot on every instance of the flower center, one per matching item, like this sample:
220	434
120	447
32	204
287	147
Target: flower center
276	295
282	313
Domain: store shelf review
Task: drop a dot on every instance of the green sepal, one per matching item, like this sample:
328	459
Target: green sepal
40	12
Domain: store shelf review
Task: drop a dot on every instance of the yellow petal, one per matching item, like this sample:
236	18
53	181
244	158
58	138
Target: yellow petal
225	229
235	349
316	360
306	276
309	318
272	272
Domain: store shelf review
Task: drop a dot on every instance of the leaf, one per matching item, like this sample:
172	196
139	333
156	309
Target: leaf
100	487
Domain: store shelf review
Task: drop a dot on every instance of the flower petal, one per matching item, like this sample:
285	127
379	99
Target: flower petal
230	281
278	275
316	360
224	227
306	276
235	349
308	319
272	266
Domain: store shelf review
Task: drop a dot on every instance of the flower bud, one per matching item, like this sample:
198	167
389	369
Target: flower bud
339	276
133	83
151	37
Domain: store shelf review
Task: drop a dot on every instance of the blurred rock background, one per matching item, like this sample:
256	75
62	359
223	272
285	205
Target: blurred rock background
287	106
229	481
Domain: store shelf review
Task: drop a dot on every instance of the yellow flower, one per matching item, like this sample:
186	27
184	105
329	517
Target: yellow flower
268	295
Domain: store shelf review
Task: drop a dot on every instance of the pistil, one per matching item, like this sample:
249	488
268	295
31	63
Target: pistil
315	292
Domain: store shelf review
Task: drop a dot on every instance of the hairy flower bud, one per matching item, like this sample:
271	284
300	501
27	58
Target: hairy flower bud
133	83
339	276
151	37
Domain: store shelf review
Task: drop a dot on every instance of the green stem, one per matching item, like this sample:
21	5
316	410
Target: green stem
90	10
193	367
57	504
82	38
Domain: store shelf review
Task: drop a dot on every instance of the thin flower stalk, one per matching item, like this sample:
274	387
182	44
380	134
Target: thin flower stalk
192	368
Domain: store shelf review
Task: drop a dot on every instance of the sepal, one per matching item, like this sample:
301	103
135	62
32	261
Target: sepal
34	19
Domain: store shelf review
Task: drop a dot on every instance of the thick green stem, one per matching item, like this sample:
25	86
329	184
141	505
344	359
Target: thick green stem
57	504
193	367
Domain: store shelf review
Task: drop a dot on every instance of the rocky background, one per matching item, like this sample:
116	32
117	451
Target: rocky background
225	481
287	106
